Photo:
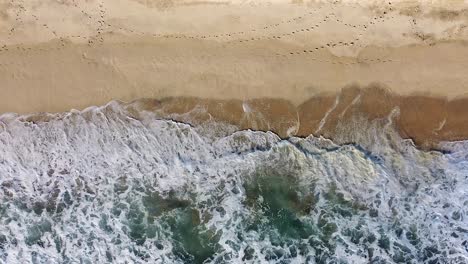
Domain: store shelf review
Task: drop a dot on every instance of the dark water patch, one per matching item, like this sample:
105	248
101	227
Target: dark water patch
286	212
193	242
36	231
282	201
156	205
169	218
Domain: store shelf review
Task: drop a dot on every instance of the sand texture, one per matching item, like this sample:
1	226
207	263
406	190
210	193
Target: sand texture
294	67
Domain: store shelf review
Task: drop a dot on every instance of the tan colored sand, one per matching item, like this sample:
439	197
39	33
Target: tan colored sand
57	55
77	76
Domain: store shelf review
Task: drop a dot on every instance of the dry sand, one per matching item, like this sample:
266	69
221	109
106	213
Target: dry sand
290	59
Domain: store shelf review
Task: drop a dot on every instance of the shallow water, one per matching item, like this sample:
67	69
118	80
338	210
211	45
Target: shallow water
99	186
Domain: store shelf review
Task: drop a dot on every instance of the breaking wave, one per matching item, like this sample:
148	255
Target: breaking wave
100	186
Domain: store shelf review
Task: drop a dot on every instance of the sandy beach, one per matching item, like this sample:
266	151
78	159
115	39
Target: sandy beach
234	131
299	55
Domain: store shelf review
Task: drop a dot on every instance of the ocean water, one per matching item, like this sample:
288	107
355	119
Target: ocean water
101	187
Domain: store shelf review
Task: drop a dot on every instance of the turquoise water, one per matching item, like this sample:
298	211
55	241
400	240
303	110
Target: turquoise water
101	187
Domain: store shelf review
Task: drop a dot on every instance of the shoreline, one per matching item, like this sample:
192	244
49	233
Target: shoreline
353	115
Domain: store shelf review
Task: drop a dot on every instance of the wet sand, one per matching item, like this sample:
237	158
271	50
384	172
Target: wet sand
295	68
344	117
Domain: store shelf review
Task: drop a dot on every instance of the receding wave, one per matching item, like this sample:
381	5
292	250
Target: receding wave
99	186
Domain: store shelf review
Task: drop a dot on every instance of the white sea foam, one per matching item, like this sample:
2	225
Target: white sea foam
79	187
